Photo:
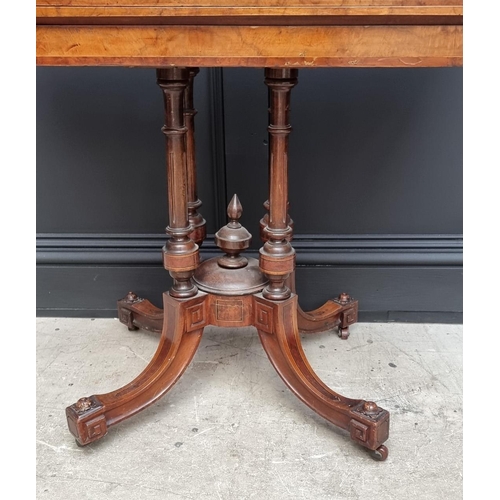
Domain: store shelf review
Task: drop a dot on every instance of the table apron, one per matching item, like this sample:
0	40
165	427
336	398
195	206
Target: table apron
250	46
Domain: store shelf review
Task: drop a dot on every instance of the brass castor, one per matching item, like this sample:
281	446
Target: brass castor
344	333
381	453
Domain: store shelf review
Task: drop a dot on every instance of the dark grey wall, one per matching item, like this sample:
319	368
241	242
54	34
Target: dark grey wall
373	151
375	184
100	151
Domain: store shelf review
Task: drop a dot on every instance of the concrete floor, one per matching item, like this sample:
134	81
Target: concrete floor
230	429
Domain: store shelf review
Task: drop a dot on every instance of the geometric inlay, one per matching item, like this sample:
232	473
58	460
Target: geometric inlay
96	428
350	317
359	431
195	317
263	317
229	310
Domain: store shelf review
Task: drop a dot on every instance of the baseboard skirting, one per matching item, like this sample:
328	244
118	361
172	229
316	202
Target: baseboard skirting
312	250
395	278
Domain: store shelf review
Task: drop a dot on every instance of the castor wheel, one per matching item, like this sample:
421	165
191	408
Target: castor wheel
381	453
344	333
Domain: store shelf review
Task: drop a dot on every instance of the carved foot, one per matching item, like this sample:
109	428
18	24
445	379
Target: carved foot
136	312
90	417
276	322
341	312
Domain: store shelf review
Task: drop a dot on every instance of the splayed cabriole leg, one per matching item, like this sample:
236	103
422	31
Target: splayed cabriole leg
276	322
90	417
185	310
340	312
276	311
136	312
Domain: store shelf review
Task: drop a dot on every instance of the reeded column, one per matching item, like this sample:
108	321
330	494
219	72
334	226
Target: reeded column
196	220
181	253
277	257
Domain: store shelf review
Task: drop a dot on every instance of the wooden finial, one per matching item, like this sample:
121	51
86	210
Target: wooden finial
233	238
234	209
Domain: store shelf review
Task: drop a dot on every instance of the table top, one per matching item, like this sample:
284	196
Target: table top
276	33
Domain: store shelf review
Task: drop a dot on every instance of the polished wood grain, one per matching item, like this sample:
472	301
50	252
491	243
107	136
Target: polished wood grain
250	13
257	46
368	424
90	417
139	313
277	256
181	254
136	312
263	33
276	321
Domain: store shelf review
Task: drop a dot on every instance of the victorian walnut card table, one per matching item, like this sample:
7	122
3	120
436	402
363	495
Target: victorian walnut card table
280	36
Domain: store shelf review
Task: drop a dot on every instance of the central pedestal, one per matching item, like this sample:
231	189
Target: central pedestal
210	277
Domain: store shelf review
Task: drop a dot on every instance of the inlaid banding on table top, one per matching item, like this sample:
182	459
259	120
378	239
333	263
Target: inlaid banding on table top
250	12
232	9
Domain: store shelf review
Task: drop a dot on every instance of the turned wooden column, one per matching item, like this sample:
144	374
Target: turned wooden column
196	220
277	256
181	253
